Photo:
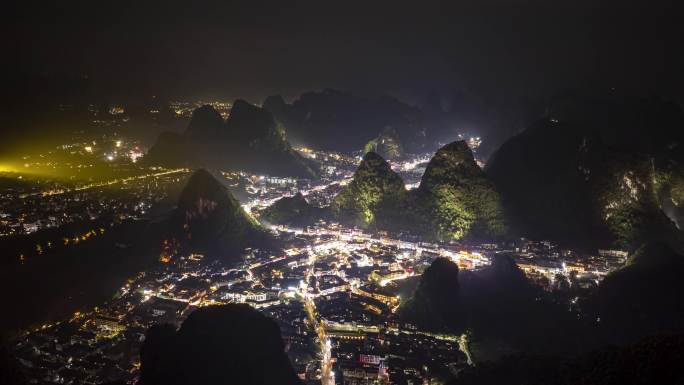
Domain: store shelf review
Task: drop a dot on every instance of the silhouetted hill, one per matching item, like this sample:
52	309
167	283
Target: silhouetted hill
335	120
258	142
374	194
173	150
643	298
249	140
248	122
498	307
294	211
435	303
276	105
209	219
231	344
595	172
205	123
10	370
652	361
158	340
507	312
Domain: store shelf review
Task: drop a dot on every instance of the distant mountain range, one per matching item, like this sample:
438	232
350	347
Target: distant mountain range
340	121
250	139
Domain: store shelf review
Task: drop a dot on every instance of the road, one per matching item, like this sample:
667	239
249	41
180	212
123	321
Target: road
327	377
110	182
353	238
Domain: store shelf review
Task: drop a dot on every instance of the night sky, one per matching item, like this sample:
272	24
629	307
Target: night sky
251	49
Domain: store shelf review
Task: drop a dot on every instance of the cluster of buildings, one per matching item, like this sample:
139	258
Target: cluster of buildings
79	181
555	268
55	218
185	109
84	155
261	190
325	291
27	211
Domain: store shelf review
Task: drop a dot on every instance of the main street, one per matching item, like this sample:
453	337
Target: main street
110	182
327	377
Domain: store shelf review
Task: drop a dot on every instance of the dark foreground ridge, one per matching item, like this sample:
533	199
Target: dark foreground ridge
217	345
656	360
435	303
642	298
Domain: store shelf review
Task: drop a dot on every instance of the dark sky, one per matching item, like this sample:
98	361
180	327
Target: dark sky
250	49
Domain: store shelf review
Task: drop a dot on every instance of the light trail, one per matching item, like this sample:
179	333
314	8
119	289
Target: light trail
107	183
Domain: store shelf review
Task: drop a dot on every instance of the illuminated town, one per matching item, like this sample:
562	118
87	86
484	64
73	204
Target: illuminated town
341	193
334	291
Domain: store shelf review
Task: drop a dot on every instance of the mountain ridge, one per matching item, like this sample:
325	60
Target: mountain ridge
209	218
316	119
586	176
454	201
249	139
